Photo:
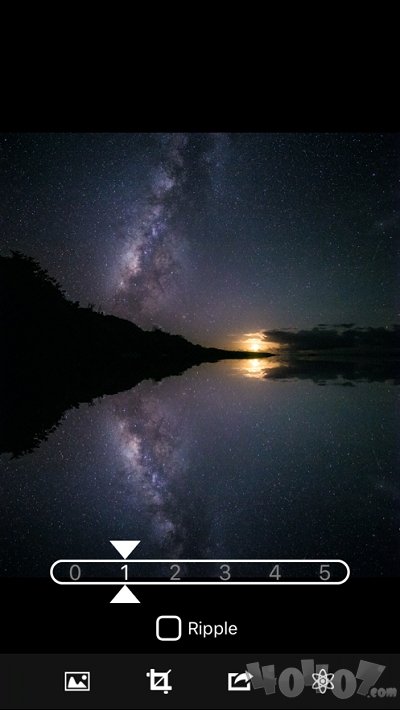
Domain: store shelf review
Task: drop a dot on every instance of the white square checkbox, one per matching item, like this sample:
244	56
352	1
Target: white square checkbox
160	621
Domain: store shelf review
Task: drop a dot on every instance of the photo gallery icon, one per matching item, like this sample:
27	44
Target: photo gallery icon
76	681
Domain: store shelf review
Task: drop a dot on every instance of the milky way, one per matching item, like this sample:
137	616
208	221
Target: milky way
155	442
153	252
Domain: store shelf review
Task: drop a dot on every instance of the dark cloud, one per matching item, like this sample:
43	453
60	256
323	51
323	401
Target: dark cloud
336	325
337	372
319	338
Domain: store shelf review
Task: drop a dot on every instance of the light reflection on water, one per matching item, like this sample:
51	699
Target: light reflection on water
256	367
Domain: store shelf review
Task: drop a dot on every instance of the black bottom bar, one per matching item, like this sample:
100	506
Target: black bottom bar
195	681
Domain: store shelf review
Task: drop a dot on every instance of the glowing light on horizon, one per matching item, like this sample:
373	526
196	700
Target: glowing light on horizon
253	342
254	345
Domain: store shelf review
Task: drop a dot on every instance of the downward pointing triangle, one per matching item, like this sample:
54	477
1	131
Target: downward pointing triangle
125	547
125	596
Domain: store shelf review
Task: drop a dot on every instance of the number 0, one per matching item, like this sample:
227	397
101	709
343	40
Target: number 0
75	575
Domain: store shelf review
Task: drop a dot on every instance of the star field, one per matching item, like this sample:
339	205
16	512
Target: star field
211	235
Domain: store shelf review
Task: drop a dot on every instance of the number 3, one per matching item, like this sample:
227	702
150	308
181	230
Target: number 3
226	573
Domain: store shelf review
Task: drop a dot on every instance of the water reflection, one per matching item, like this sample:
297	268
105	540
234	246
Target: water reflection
344	371
226	460
152	447
258	367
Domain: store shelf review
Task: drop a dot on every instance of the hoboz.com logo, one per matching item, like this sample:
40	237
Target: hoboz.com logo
343	683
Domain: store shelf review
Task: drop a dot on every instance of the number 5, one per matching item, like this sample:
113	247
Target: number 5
324	572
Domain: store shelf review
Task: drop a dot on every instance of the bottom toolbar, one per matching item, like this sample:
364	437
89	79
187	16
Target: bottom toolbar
170	680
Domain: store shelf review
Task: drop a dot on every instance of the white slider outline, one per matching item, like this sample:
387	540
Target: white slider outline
219	583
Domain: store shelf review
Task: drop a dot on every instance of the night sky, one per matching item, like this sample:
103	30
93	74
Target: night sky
219	238
211	235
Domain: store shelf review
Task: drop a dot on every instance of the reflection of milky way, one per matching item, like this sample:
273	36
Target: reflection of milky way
153	250
155	451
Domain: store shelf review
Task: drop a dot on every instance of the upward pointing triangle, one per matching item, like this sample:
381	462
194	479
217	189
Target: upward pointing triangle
125	596
125	547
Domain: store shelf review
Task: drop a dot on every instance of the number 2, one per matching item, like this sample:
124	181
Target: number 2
174	577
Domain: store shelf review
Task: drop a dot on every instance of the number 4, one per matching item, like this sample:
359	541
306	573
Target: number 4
275	572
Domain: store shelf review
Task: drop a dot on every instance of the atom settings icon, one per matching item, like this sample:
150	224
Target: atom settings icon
323	681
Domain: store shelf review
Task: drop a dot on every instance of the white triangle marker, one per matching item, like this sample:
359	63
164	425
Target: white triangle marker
125	596
125	547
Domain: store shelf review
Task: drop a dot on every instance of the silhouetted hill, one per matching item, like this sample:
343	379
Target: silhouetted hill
56	354
40	325
39	322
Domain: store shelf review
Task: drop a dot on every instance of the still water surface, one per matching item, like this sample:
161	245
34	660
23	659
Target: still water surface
223	461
